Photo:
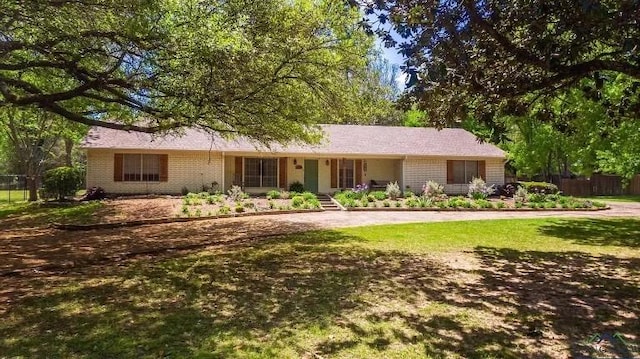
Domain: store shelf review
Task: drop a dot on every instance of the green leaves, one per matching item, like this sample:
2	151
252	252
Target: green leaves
268	70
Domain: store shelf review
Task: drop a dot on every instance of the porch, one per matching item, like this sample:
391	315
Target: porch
318	174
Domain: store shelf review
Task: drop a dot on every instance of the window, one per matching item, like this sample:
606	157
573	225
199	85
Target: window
260	172
462	172
346	174
141	167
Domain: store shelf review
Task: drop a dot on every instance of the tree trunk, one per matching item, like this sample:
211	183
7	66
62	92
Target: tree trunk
68	149
32	185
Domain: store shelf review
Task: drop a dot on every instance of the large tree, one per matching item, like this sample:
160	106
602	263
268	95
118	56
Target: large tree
489	56
265	69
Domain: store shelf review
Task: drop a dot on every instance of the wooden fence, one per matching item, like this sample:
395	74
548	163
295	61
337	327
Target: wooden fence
599	185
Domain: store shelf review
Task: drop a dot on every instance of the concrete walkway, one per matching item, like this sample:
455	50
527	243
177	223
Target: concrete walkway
337	219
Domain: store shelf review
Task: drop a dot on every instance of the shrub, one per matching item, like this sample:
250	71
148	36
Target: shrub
239	209
198	212
540	187
203	195
249	205
478	189
461	202
296	187
378	195
94	193
235	193
433	190
349	194
398	204
386	203
271	204
500	205
483	203
313	203
349	203
361	188
518	204
224	210
537	197
599	204
285	195
186	201
411	202
309	196
408	194
185	209
273	194
424	202
297	201
521	195
508	189
393	190
62	181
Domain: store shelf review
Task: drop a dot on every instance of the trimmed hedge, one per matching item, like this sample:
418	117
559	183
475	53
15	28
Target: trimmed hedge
540	187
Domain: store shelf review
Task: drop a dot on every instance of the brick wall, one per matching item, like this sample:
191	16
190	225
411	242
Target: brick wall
189	169
417	171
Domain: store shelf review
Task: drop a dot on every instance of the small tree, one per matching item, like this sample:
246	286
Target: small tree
478	189
433	190
62	181
393	190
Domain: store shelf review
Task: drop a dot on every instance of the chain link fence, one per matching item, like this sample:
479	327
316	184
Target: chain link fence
13	188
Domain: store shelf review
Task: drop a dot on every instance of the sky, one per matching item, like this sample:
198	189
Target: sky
391	54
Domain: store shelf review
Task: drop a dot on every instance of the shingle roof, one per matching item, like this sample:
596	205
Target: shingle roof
338	139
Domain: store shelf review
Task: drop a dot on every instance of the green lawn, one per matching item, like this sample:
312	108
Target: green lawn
621	198
13	195
25	214
482	289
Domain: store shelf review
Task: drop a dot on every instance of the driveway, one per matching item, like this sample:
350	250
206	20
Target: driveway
35	249
337	219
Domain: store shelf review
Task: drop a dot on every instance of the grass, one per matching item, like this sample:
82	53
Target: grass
13	195
481	289
25	214
621	198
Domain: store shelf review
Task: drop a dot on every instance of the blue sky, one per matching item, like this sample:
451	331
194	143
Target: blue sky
389	53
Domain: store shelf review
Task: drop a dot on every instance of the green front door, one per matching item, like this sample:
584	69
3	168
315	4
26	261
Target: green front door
311	175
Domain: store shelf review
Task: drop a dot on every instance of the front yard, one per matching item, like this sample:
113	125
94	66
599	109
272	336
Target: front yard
530	288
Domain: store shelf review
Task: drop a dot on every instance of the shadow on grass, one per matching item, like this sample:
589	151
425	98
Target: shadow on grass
320	294
602	232
26	215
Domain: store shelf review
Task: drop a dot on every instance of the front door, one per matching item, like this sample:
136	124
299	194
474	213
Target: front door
311	175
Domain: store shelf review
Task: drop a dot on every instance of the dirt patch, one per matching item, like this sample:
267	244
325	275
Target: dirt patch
126	209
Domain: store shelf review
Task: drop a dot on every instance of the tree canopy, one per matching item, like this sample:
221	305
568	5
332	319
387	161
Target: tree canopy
488	56
265	69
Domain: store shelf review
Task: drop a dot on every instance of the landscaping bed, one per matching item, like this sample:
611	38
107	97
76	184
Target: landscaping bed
480	197
207	204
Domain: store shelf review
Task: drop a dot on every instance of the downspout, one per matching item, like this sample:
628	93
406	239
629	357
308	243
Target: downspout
403	185
224	175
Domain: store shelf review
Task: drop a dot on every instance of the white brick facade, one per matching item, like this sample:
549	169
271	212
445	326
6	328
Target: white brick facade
417	171
190	169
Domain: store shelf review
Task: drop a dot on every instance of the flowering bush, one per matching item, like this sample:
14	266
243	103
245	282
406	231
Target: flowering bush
361	188
235	193
393	190
433	190
521	195
478	189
